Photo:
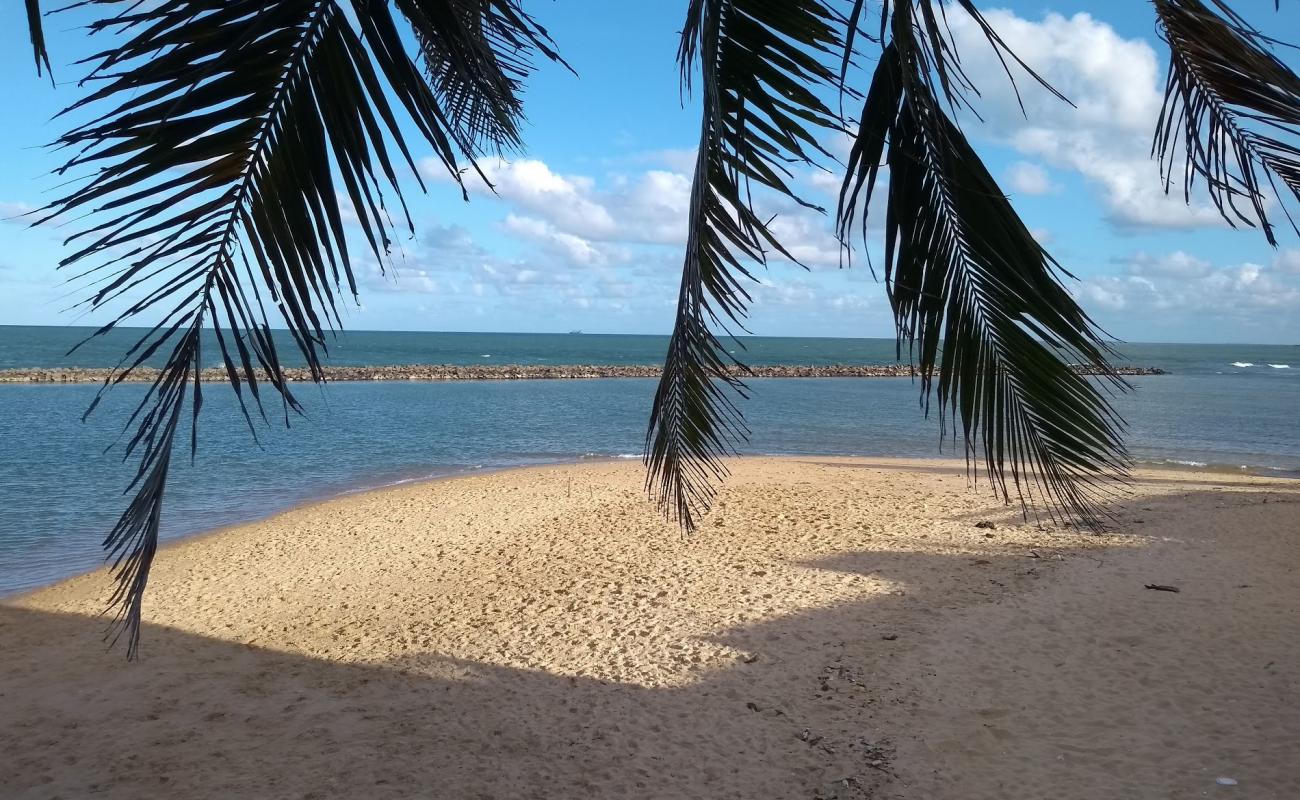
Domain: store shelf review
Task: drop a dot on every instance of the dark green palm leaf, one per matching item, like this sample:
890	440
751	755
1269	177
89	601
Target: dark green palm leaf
36	31
976	299
224	135
1233	109
476	55
761	66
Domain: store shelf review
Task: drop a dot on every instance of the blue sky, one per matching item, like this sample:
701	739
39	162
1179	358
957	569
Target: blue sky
586	228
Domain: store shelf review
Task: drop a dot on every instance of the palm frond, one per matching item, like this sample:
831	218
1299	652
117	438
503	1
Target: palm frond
36	31
221	133
761	65
1233	110
477	54
976	299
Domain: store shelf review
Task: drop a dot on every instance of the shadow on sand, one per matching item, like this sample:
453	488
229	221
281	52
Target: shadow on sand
204	717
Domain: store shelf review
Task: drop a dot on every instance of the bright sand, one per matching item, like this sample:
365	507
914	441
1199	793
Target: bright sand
836	628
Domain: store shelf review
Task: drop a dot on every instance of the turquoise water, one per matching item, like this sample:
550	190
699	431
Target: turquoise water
60	493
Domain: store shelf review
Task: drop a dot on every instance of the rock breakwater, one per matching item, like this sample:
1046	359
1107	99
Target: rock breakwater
505	372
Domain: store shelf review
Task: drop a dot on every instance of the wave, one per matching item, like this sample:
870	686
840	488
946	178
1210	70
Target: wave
1221	466
1280	366
1243	364
1174	462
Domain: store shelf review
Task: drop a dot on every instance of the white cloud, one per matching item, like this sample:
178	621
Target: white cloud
1116	88
399	278
1177	282
1119	292
614	243
1029	178
15	211
592	223
1177	264
453	273
564	201
796	291
515	277
1287	261
825	181
572	248
650	207
807	236
1043	236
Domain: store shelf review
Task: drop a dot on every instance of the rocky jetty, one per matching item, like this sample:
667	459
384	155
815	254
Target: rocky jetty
506	372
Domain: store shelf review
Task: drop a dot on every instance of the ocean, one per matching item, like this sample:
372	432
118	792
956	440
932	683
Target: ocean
1222	407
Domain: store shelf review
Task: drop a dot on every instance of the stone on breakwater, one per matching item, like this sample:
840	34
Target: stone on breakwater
509	372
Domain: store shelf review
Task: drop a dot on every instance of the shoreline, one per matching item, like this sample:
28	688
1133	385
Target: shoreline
307	503
490	372
1174	468
838	627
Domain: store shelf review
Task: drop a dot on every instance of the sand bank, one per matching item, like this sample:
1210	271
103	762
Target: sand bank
837	628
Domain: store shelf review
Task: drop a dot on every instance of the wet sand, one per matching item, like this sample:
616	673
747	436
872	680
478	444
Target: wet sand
837	628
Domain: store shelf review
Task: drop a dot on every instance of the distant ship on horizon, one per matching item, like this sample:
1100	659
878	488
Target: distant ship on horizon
573	333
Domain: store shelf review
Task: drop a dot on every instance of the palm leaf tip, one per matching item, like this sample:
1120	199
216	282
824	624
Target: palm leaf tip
977	301
36	32
224	138
477	55
1231	114
760	68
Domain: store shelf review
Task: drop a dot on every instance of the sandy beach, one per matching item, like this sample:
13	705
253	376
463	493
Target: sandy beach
837	628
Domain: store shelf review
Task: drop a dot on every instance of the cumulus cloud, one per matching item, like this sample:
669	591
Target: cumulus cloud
565	201
1179	282
596	223
453	272
650	207
1028	178
440	250
798	292
1115	85
807	236
1177	264
1116	293
566	245
825	181
612	242
1287	261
